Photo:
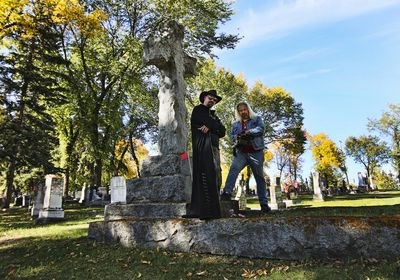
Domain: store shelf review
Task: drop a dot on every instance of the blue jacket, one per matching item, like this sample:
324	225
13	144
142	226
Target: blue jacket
256	129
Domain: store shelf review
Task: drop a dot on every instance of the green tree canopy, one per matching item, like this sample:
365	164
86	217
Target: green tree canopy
328	158
389	124
367	150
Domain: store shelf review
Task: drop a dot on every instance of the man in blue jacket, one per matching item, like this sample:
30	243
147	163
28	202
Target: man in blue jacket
247	135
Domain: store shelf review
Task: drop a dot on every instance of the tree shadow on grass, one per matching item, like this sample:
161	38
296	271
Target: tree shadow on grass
359	196
359	211
19	218
80	258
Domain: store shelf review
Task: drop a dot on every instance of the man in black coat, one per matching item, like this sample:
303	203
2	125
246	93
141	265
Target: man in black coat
206	130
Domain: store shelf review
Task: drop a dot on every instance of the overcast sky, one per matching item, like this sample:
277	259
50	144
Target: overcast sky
339	58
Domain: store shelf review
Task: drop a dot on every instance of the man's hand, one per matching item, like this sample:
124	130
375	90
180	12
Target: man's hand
204	129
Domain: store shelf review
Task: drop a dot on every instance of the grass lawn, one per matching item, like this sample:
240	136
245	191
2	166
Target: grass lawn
62	251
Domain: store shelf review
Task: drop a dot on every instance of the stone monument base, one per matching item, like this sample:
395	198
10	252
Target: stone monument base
50	215
142	210
318	197
260	237
35	211
277	206
289	202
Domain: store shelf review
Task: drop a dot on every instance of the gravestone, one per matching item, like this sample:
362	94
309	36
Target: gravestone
85	192
103	193
52	204
371	182
26	200
77	195
316	186
165	185
39	198
118	189
275	193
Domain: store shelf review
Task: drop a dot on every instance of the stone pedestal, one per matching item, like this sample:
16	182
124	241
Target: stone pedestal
296	238
275	194
118	190
317	189
162	192
52	204
38	204
289	202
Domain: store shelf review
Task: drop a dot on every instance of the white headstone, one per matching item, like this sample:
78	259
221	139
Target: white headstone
275	194
52	204
371	182
118	189
38	204
84	194
103	192
317	189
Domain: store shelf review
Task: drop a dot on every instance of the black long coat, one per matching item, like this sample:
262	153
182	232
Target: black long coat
205	192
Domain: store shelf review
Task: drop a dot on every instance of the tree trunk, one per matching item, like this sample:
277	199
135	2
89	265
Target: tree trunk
98	170
9	183
66	183
135	158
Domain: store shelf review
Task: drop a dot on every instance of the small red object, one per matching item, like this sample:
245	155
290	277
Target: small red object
184	156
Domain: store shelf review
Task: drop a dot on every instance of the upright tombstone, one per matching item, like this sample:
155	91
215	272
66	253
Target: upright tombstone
275	193
165	186
118	189
26	200
39	198
52	204
103	192
84	194
317	189
371	182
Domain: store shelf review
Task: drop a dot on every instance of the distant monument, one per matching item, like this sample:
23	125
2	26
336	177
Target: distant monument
318	195
52	204
39	199
276	194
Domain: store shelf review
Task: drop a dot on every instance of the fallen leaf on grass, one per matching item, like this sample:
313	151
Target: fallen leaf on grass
248	273
12	271
261	272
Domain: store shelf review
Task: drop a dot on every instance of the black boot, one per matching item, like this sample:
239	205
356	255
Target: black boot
265	208
225	197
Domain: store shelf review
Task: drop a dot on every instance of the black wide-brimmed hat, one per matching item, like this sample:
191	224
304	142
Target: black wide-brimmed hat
211	92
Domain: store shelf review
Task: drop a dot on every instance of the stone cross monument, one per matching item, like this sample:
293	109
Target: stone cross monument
166	53
165	185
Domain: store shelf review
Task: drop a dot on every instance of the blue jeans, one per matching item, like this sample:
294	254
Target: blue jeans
255	160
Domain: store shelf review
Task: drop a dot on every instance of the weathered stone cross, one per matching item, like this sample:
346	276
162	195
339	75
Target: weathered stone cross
166	53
